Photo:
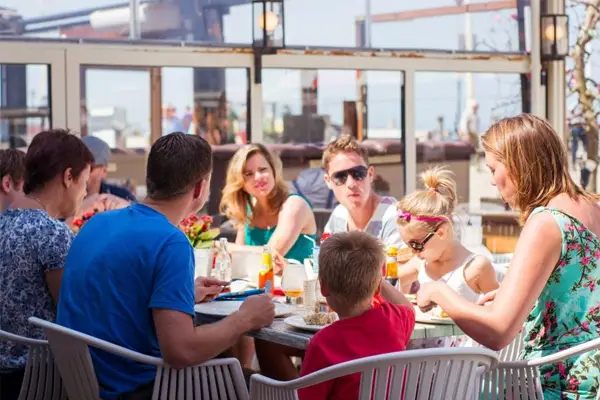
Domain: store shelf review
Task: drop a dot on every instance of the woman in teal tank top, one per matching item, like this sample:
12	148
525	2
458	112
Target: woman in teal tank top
257	199
549	291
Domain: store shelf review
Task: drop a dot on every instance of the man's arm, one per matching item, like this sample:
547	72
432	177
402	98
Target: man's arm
183	345
172	304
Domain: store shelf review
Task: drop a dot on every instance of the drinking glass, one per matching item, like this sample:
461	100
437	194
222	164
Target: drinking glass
292	282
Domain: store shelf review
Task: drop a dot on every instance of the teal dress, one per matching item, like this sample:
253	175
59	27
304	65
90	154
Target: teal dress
567	313
302	248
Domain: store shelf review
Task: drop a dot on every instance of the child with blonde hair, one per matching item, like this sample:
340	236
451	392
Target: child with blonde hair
425	225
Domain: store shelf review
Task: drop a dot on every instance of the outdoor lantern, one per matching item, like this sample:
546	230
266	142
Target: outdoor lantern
267	24
555	37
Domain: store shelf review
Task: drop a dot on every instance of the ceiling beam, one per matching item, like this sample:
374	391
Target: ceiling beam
443	11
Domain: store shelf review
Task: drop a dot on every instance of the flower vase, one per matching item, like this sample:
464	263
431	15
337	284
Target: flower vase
203	261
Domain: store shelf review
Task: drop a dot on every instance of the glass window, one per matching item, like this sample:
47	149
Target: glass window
316	106
394	24
24	103
452	110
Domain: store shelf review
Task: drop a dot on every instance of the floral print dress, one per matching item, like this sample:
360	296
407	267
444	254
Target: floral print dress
567	313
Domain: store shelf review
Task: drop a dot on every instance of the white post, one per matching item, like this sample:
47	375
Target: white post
538	98
469	90
134	19
368	23
557	88
410	140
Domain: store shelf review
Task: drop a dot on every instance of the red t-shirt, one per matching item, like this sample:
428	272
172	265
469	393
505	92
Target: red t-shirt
383	329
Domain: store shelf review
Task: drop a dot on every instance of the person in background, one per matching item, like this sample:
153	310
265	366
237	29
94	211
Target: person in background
349	175
34	243
133	270
469	127
187	119
170	121
549	290
12	175
96	183
425	224
212	134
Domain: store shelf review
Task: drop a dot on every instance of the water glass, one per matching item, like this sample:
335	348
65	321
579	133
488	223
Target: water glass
292	282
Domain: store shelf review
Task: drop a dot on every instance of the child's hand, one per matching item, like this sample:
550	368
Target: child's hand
487	298
424	296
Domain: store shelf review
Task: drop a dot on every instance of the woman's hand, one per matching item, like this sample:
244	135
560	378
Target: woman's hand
487	298
112	202
207	289
279	263
425	294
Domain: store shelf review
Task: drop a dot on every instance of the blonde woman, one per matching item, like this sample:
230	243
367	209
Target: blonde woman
257	199
550	283
425	225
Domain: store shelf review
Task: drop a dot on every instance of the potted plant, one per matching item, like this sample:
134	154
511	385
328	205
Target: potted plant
201	236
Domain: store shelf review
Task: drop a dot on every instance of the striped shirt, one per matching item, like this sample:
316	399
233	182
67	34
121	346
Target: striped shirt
381	225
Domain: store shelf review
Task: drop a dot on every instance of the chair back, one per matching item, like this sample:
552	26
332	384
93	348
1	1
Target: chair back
215	379
446	373
41	379
72	358
493	379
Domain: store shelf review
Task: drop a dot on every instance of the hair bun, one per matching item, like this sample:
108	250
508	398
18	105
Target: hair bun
441	180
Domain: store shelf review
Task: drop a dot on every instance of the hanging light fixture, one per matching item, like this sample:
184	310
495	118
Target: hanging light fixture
555	37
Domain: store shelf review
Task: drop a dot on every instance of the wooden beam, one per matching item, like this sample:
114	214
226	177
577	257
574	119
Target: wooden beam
442	11
155	104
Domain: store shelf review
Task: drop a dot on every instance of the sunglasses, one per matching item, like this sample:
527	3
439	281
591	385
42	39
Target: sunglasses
417	246
357	173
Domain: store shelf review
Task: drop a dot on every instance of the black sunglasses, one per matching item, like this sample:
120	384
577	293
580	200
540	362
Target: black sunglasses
358	174
417	246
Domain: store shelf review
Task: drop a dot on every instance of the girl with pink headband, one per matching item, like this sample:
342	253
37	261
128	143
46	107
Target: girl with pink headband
425	225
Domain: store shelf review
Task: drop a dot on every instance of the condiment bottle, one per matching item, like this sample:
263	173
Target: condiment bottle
391	270
266	273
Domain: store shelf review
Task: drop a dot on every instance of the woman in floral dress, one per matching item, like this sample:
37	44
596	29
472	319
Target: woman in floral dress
549	289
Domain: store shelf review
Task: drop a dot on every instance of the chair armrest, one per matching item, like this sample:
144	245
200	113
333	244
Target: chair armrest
21	339
553	358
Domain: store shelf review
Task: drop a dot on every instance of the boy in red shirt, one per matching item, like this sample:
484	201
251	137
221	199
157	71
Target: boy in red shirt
350	277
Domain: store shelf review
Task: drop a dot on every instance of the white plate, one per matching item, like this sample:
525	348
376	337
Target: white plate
297	321
225	308
426	318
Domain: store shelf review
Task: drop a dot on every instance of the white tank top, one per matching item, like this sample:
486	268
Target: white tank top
455	279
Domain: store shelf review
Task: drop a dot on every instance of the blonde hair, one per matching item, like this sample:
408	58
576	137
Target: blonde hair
343	144
236	203
428	207
536	160
350	267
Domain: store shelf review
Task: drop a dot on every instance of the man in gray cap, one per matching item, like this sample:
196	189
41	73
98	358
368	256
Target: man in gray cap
96	184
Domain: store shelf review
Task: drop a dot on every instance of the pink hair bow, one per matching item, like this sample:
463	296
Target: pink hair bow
405	215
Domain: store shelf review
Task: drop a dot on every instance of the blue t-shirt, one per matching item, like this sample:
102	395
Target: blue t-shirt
121	265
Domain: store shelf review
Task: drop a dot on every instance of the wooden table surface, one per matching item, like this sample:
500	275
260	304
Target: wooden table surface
281	333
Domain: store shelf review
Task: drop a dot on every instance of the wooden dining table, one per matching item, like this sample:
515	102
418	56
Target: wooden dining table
425	335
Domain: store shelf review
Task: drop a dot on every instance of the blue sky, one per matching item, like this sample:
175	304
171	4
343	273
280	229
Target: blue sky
319	23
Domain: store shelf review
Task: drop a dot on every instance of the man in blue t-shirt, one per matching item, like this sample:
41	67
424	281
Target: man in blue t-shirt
129	276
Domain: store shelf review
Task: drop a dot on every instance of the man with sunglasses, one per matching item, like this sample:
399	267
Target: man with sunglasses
348	174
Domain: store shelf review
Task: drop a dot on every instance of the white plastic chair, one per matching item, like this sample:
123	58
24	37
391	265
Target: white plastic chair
41	379
216	379
520	380
433	374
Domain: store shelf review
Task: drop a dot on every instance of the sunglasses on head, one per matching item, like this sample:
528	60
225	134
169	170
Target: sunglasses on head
357	173
419	246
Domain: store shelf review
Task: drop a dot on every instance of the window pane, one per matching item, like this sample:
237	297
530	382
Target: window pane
452	110
24	103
